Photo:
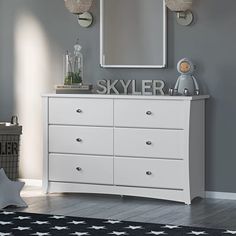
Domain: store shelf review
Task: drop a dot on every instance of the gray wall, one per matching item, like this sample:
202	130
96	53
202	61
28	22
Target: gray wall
210	42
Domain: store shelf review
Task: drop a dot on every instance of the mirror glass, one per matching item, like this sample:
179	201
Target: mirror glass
133	33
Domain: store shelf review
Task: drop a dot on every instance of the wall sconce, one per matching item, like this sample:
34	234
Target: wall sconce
81	8
182	8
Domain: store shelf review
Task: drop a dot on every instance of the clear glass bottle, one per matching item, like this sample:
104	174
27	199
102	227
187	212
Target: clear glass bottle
73	66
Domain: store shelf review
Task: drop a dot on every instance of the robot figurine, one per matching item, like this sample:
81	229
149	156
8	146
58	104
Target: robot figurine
186	83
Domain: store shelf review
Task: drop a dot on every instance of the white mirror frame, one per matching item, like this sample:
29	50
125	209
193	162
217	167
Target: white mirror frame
163	65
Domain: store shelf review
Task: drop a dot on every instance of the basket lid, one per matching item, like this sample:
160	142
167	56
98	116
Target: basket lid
8	128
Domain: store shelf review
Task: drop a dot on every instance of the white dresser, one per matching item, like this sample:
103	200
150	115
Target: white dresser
147	146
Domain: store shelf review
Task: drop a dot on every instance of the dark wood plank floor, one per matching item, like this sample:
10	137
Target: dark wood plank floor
211	213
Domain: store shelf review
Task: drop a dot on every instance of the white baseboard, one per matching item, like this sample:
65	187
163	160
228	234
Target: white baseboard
32	182
221	195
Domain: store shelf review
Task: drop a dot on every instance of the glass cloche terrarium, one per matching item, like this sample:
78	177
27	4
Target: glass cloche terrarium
73	67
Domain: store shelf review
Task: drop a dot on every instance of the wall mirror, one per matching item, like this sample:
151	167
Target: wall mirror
133	33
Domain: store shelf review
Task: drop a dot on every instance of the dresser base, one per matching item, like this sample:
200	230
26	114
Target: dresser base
162	194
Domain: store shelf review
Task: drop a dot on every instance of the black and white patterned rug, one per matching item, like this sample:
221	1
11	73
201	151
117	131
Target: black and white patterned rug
18	224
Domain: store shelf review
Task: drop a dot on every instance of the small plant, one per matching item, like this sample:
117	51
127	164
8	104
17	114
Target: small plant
73	78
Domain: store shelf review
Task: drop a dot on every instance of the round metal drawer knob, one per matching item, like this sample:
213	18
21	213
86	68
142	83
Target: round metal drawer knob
79	140
149	143
148	113
78	168
79	111
148	173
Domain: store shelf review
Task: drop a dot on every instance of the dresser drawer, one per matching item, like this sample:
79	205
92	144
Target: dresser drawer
72	111
139	172
81	140
150	114
81	169
155	143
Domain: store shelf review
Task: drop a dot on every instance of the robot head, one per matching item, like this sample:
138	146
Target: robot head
185	66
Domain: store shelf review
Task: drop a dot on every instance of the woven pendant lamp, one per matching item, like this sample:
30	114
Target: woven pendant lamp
182	7
81	8
78	6
179	5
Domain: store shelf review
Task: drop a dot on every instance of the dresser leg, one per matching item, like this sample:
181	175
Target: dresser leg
187	203
45	187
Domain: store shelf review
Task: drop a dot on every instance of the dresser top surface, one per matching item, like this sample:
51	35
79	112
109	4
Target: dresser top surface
137	97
